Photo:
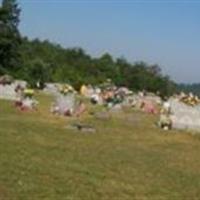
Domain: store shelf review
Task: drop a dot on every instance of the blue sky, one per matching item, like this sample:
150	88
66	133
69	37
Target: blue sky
166	32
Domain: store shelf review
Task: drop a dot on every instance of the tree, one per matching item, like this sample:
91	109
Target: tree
36	72
9	36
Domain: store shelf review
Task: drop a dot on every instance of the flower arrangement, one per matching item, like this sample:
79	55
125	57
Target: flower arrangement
66	89
28	93
190	100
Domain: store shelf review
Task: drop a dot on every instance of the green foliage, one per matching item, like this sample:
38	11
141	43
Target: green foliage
36	72
187	88
45	61
9	36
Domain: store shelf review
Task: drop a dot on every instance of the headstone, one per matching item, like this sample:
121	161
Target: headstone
184	116
8	91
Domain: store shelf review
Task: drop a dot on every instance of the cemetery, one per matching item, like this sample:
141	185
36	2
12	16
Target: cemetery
116	120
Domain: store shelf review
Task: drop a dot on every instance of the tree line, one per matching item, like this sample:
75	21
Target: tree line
187	88
44	61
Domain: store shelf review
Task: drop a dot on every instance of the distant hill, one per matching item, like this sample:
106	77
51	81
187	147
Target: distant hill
194	88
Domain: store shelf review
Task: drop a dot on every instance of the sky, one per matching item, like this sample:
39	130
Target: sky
166	32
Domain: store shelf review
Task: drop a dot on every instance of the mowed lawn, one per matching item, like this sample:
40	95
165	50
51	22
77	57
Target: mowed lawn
127	158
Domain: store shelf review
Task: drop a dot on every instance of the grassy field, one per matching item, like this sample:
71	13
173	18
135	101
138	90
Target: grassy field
127	158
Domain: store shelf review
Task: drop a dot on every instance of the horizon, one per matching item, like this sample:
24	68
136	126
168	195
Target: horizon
163	33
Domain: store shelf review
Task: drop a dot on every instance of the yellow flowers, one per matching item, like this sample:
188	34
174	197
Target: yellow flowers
190	100
29	92
65	89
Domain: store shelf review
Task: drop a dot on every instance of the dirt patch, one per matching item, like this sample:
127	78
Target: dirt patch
134	118
3	193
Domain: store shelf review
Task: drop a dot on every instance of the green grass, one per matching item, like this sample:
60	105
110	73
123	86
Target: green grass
127	158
